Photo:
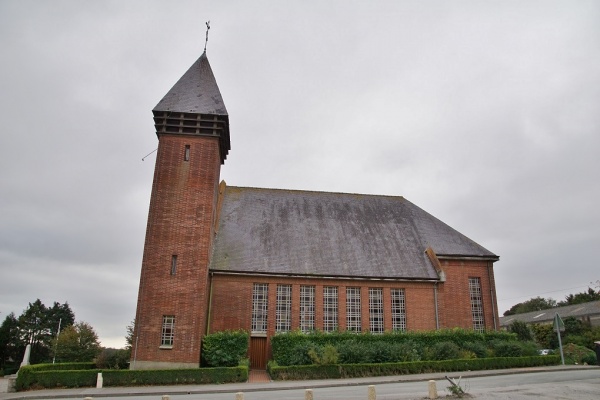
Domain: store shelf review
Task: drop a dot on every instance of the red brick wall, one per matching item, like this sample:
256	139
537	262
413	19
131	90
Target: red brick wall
180	222
231	303
454	298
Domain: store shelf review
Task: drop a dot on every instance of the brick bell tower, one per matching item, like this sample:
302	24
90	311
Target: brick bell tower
192	126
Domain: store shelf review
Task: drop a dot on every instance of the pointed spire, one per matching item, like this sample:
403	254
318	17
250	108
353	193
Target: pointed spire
194	106
195	92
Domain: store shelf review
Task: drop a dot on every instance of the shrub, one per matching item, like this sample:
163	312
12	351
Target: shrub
225	349
404	351
521	329
325	355
478	348
351	352
575	354
589	359
506	349
445	351
113	359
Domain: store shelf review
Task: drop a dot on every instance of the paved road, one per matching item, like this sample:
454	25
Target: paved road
517	384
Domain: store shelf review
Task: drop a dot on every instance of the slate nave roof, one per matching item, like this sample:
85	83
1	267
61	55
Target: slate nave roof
275	231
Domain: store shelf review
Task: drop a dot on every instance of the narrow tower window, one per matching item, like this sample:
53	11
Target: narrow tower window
173	264
168	331
186	154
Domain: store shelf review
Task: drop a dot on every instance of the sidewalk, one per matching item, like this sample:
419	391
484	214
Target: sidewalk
267	386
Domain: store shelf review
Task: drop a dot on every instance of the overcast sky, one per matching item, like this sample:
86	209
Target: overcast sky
486	114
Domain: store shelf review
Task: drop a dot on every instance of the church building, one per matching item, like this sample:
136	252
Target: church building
220	257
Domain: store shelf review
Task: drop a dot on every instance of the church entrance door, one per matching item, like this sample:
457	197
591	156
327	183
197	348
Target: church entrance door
258	352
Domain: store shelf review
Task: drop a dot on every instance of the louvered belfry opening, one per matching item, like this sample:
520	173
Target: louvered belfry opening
171	122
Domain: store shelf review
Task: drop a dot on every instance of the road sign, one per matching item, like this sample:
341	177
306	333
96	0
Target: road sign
558	325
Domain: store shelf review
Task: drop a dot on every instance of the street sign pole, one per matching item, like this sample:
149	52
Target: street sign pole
559	326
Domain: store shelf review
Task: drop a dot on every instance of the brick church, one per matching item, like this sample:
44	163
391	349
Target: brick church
220	257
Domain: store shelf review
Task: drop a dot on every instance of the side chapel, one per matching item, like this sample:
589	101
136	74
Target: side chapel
220	257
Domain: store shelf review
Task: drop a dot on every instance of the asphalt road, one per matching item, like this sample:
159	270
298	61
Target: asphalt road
584	385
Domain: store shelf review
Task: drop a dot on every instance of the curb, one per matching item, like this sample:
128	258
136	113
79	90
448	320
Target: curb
271	386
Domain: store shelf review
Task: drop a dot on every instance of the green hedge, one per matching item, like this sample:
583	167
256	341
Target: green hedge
34	378
28	374
338	371
225	348
288	347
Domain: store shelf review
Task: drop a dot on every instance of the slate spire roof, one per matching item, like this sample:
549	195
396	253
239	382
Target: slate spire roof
194	106
303	233
195	92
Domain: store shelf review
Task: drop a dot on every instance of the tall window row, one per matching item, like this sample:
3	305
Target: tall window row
307	309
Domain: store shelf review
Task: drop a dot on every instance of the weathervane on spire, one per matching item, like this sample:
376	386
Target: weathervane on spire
207	29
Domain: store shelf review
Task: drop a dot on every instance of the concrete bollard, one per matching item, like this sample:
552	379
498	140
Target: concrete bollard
166	397
433	394
88	398
371	392
308	394
239	396
99	381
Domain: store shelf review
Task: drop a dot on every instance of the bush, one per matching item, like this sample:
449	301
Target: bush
522	330
575	354
589	359
478	348
351	352
445	351
113	359
225	349
325	355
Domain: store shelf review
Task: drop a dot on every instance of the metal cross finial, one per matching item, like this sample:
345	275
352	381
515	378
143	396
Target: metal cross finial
207	29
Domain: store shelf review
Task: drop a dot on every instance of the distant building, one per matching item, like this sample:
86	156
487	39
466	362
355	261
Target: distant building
585	312
219	257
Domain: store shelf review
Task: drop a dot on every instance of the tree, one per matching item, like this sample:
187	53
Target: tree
10	351
38	326
129	337
59	314
522	330
578	298
33	330
77	343
533	304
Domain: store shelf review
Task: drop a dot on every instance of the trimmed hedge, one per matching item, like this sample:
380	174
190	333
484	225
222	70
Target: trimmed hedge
31	377
338	371
292	348
28	374
225	348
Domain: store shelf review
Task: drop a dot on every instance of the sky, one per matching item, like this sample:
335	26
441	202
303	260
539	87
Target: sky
483	113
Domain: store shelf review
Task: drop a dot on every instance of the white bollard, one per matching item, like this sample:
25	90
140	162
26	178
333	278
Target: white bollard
239	396
371	393
166	397
99	381
308	394
433	394
88	398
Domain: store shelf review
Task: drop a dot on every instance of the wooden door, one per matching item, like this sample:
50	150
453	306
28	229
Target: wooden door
258	353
